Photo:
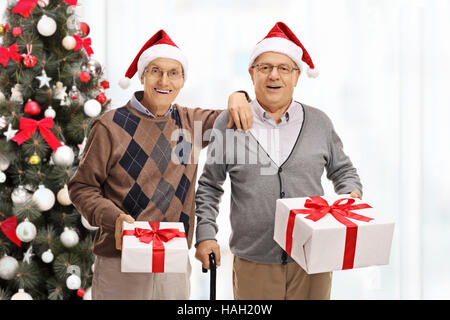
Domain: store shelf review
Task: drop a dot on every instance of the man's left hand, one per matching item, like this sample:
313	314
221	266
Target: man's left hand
239	112
356	194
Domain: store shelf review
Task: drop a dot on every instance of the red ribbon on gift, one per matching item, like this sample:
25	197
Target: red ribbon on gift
158	236
29	126
86	43
8	226
318	208
7	53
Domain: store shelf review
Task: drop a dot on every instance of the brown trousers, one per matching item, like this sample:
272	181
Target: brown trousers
257	281
109	283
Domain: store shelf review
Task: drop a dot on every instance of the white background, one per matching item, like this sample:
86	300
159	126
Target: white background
384	69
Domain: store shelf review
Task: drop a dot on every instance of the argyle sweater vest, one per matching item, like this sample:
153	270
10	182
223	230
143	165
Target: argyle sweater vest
141	166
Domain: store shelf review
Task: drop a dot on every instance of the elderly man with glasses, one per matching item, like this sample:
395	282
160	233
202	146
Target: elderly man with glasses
140	163
284	155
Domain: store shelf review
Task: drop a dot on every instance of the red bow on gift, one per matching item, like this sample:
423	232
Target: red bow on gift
318	207
11	52
24	7
158	236
29	126
8	226
86	43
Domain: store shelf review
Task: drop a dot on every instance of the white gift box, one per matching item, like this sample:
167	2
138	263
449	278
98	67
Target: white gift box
327	244
138	256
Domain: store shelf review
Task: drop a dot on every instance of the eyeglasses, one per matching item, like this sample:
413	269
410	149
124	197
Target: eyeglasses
267	68
158	73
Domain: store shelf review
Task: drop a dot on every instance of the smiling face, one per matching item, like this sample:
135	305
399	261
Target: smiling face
274	90
161	88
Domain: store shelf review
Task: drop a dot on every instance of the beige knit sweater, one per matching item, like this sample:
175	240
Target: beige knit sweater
128	167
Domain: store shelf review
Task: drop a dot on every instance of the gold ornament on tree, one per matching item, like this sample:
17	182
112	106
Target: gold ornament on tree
34	160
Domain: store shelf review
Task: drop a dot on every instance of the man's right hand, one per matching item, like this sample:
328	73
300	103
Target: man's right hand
204	248
119	225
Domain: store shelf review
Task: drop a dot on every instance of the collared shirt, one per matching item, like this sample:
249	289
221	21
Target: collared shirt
136	103
277	140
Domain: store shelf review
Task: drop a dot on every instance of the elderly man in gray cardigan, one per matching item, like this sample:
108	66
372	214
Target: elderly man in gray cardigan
283	155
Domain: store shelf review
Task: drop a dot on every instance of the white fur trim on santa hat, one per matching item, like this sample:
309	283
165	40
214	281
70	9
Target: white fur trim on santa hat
124	83
161	51
279	45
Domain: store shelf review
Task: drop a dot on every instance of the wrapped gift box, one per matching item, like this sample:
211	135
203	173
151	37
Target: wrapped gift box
154	247
330	233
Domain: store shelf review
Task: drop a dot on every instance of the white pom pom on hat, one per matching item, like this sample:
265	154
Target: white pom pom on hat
282	40
158	46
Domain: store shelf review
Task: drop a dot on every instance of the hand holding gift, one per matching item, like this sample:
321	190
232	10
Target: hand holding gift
154	247
119	228
356	194
332	233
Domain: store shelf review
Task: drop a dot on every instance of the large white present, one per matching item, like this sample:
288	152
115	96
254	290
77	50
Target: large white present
154	247
332	233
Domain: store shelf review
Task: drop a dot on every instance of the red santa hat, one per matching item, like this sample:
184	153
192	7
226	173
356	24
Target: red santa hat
282	40
158	46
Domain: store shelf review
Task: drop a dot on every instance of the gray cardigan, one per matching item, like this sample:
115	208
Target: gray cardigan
256	185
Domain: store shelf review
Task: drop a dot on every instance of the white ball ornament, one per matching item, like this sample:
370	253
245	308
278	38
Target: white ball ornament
88	294
43	3
4	163
50	112
8	267
20	195
63	196
73	282
46	26
47	256
64	156
26	231
2	177
69	42
92	108
69	238
21	295
86	224
44	198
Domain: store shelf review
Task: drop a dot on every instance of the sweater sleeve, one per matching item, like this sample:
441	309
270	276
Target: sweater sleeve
210	190
340	169
207	118
85	186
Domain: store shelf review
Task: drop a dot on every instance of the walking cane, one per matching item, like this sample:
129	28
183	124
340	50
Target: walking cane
212	282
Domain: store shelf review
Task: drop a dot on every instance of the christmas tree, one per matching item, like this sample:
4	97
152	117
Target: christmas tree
51	91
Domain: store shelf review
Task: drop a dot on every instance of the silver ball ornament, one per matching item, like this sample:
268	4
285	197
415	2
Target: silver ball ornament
20	195
94	67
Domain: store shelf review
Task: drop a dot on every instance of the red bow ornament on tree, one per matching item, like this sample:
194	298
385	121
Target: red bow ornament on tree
25	7
8	226
29	126
86	43
7	53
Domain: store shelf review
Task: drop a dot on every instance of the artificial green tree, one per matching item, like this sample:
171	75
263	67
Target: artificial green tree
51	91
